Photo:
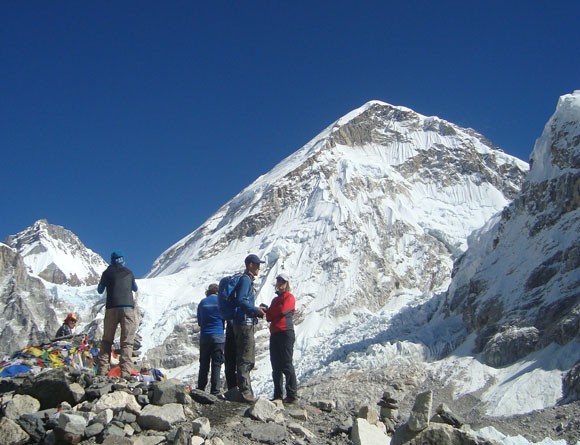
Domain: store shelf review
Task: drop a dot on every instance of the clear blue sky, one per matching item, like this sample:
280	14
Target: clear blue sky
130	123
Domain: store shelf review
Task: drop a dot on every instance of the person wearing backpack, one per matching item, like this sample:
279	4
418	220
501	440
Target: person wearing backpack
280	315
244	321
211	341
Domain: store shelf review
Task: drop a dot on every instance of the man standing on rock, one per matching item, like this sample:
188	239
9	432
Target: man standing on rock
120	284
245	320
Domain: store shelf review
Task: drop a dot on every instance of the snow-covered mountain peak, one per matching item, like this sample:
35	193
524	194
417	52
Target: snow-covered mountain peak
57	255
557	151
370	213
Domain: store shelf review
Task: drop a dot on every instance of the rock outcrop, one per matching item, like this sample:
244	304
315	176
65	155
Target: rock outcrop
27	315
518	285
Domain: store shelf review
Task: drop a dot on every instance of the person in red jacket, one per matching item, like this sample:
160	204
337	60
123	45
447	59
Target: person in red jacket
280	315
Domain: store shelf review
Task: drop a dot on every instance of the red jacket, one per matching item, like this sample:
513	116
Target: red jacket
281	312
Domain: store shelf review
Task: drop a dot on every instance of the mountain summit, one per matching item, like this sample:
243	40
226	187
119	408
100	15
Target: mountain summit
370	213
57	255
376	194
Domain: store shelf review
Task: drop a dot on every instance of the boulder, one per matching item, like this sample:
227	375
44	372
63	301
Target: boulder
117	401
363	433
20	404
50	388
169	391
161	418
421	412
265	411
11	433
201	427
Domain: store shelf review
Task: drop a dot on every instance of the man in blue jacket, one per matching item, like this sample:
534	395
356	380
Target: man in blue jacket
245	318
211	341
120	284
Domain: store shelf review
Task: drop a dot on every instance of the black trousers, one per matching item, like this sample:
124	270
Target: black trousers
281	352
245	358
230	357
210	352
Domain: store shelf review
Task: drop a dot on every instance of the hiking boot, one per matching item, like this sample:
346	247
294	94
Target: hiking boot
290	400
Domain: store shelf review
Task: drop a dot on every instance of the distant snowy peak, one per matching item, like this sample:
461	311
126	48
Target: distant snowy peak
557	151
57	255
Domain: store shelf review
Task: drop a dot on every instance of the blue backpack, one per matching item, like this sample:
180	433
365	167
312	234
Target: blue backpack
227	295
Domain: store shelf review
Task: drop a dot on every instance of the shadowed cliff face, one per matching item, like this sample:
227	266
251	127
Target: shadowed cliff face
518	285
27	316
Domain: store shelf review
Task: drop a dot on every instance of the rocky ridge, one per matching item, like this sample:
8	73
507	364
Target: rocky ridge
27	314
532	249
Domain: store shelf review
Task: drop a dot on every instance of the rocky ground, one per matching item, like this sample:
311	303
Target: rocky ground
357	388
62	407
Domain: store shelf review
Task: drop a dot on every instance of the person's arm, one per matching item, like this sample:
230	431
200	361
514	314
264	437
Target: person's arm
102	282
274	310
243	297
289	303
135	288
199	314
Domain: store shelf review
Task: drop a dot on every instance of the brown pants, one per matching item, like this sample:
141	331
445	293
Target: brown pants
128	321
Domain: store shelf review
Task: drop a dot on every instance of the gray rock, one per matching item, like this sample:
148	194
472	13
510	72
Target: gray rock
20	404
33	426
94	429
11	433
325	405
300	431
161	418
270	433
203	397
71	423
265	411
149	440
571	384
448	417
180	437
363	433
201	427
369	413
117	401
421	412
98	390
169	391
126	417
112	433
442	434
50	388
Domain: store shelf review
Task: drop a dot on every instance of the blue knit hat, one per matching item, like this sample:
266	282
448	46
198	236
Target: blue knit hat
117	257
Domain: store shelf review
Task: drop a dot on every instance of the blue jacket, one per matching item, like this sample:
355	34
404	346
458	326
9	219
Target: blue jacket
208	317
246	313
